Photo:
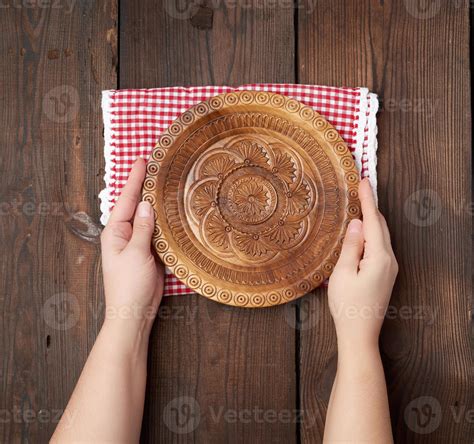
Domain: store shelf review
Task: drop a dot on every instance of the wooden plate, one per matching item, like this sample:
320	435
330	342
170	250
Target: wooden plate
252	193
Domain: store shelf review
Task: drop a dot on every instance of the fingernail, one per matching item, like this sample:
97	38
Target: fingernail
144	209
355	226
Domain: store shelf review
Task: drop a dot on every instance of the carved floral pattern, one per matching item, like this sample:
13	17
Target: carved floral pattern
251	198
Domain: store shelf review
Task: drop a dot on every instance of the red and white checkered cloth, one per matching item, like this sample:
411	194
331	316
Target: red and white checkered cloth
134	120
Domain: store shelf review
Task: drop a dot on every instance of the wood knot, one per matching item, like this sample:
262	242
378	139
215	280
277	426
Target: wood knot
203	18
394	339
82	225
53	54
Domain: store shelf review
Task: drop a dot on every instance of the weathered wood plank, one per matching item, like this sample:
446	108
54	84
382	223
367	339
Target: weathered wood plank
228	360
221	361
54	62
417	60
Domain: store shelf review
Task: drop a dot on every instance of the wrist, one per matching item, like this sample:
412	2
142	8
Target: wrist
355	345
360	363
132	317
126	338
357	356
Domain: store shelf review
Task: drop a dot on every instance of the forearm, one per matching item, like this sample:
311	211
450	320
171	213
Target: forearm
107	403
358	409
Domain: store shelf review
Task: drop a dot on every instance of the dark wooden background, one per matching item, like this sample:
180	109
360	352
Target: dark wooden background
56	57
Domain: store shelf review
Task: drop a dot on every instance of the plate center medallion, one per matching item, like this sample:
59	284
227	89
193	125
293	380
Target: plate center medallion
249	196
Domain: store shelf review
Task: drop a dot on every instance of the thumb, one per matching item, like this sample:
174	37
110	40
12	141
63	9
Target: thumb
353	246
143	225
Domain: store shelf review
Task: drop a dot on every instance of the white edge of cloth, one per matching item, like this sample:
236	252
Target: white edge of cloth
104	195
361	125
372	144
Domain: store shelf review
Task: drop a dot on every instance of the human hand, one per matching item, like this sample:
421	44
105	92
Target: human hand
133	279
361	284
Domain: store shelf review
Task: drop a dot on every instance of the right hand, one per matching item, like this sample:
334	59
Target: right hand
361	284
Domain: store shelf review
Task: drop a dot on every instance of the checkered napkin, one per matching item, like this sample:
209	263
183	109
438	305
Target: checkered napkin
134	120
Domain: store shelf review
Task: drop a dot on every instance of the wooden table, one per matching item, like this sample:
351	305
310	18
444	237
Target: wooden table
233	375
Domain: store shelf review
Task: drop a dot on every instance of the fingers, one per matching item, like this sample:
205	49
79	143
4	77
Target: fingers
352	247
373	231
130	196
160	268
115	237
386	232
388	243
143	226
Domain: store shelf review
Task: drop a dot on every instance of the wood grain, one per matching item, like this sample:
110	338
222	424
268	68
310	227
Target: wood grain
417	60
221	361
54	63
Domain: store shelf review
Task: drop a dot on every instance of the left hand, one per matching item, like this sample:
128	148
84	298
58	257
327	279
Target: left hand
133	279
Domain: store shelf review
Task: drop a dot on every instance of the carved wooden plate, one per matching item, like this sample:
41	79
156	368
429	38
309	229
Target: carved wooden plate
252	193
